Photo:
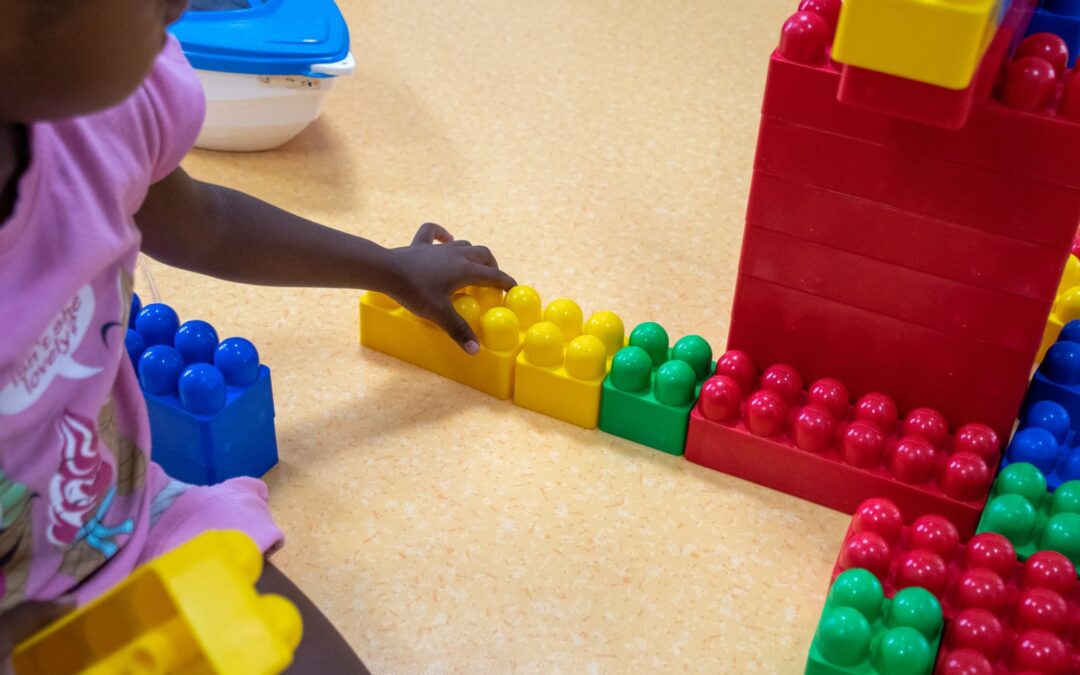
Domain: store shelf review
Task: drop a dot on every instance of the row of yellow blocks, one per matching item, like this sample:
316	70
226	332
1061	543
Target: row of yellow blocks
547	359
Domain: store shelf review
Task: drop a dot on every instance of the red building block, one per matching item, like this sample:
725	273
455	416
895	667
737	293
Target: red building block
1036	631
862	376
815	445
799	316
1002	615
1041	146
879	232
927	553
967	195
963	310
1005	187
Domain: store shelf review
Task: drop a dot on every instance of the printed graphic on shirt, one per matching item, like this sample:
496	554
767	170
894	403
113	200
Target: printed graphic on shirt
51	355
15	540
82	491
131	460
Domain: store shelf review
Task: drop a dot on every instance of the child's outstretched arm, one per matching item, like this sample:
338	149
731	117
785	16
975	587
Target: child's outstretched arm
231	235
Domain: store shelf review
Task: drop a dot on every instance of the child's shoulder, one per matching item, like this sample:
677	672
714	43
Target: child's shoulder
142	140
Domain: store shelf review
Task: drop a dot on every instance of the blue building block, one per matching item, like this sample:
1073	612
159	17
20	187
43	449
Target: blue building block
1058	376
1062	18
1046	440
211	404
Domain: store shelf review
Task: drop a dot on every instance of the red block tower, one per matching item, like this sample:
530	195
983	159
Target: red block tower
901	257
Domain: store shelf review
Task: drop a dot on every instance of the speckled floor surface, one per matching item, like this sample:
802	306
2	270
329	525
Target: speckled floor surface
602	149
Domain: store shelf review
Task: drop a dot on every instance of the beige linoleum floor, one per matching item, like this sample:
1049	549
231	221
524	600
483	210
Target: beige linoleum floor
603	150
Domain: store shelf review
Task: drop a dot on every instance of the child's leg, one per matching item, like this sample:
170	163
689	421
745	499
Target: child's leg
322	649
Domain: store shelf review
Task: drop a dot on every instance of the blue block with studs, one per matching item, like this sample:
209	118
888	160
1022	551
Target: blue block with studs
210	402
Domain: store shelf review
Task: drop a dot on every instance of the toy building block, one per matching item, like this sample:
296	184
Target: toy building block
1061	18
193	611
939	42
1030	516
1058	376
970	365
966	311
812	443
1066	306
927	553
987	214
1033	629
211	403
561	368
982	199
930	104
862	632
875	231
994	605
1039	145
500	323
863	376
650	390
1046	441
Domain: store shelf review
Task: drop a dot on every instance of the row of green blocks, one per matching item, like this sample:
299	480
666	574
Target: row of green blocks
652	387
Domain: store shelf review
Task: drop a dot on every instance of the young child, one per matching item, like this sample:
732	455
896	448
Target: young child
99	107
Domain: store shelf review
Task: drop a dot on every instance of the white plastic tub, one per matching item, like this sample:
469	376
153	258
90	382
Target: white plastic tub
248	113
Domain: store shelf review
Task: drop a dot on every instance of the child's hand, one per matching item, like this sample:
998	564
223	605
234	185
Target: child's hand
425	275
22	622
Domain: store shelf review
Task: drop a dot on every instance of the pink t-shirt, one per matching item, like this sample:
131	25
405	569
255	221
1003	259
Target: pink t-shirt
81	504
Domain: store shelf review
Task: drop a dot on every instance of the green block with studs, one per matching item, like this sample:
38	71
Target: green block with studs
1021	509
651	388
863	633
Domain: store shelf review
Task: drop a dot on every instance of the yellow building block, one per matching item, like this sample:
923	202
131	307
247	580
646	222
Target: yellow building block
561	369
939	42
193	611
1066	306
499	322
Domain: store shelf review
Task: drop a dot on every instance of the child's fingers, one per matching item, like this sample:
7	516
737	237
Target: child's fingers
482	275
481	255
447	318
429	233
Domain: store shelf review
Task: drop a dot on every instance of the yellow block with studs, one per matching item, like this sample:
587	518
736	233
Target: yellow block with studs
939	42
499	321
561	368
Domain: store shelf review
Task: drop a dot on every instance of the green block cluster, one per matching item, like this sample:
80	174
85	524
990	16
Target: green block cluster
1034	519
862	633
651	389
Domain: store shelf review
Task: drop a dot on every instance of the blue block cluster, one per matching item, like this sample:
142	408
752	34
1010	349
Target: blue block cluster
210	402
1062	18
1058	376
1046	439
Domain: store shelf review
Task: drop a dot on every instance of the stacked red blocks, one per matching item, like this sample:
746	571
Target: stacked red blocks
902	258
815	444
1002	616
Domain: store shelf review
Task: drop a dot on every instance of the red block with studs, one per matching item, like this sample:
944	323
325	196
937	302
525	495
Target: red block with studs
813	442
1002	615
911	316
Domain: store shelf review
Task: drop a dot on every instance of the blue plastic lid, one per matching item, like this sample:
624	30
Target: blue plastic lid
263	37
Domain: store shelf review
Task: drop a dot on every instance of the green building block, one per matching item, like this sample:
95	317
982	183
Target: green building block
651	389
862	633
1022	510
